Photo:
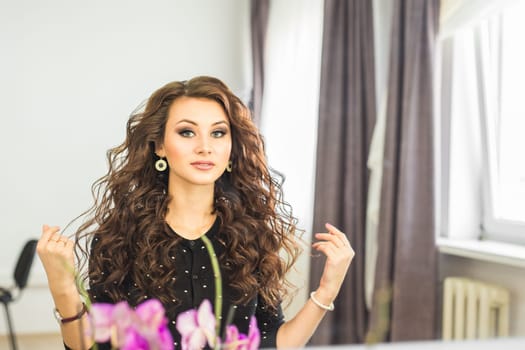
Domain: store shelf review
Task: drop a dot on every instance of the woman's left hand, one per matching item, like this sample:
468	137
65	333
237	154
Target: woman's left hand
339	254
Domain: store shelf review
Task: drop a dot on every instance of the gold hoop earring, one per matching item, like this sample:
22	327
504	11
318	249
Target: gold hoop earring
229	166
161	165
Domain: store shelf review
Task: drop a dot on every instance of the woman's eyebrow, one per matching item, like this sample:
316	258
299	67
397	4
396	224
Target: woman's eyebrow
195	123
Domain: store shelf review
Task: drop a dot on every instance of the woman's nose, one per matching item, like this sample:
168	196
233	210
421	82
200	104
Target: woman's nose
204	145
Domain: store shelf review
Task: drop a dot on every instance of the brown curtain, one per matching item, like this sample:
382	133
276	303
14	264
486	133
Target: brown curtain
259	23
404	306
346	120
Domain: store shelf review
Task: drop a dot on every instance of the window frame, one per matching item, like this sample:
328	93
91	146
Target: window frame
490	226
493	227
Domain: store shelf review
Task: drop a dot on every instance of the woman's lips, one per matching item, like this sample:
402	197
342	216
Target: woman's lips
203	165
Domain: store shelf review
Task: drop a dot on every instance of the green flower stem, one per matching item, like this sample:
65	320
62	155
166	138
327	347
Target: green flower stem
218	285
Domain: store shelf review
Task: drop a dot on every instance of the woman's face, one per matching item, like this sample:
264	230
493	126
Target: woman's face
197	141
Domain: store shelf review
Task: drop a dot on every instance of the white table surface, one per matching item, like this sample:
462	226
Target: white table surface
490	344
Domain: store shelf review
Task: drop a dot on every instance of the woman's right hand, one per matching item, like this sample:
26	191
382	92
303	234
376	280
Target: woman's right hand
58	258
57	255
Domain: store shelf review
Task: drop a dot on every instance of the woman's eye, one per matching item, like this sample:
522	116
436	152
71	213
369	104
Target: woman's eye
186	133
218	133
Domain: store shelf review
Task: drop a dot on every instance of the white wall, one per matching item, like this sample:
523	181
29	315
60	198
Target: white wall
71	72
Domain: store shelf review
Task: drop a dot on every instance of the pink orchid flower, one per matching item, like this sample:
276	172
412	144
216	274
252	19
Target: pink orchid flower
101	319
197	327
134	341
144	328
154	325
110	321
239	341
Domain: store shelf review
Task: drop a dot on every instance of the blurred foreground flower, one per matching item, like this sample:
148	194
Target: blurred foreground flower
197	328
144	328
239	341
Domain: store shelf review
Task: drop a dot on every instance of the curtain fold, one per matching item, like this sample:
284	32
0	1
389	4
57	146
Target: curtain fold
346	120
404	305
382	24
259	13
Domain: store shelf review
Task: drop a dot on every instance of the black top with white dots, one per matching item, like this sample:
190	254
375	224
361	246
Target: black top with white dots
194	282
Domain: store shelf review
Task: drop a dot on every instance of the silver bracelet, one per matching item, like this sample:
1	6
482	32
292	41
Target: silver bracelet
330	307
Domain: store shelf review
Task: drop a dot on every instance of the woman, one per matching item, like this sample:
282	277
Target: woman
192	164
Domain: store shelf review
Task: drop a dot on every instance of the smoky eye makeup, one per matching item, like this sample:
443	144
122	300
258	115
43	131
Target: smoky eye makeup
219	132
185	132
187	128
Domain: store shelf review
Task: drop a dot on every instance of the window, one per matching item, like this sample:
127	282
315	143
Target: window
505	129
483	128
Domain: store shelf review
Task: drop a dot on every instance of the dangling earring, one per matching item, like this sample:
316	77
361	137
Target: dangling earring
229	166
161	165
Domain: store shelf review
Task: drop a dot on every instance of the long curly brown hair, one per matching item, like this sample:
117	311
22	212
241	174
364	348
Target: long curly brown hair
131	201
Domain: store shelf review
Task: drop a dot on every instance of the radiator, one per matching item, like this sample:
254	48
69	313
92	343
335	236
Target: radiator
474	310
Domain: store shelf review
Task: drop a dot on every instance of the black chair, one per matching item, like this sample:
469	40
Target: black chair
21	275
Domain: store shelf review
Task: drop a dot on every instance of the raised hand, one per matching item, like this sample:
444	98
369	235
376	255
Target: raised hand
57	255
339	254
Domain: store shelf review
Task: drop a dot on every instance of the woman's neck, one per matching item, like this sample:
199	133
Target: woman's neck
190	211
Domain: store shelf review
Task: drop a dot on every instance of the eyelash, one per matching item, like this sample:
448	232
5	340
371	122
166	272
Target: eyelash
187	132
221	132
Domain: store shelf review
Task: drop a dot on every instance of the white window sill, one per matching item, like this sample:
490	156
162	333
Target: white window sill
498	252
